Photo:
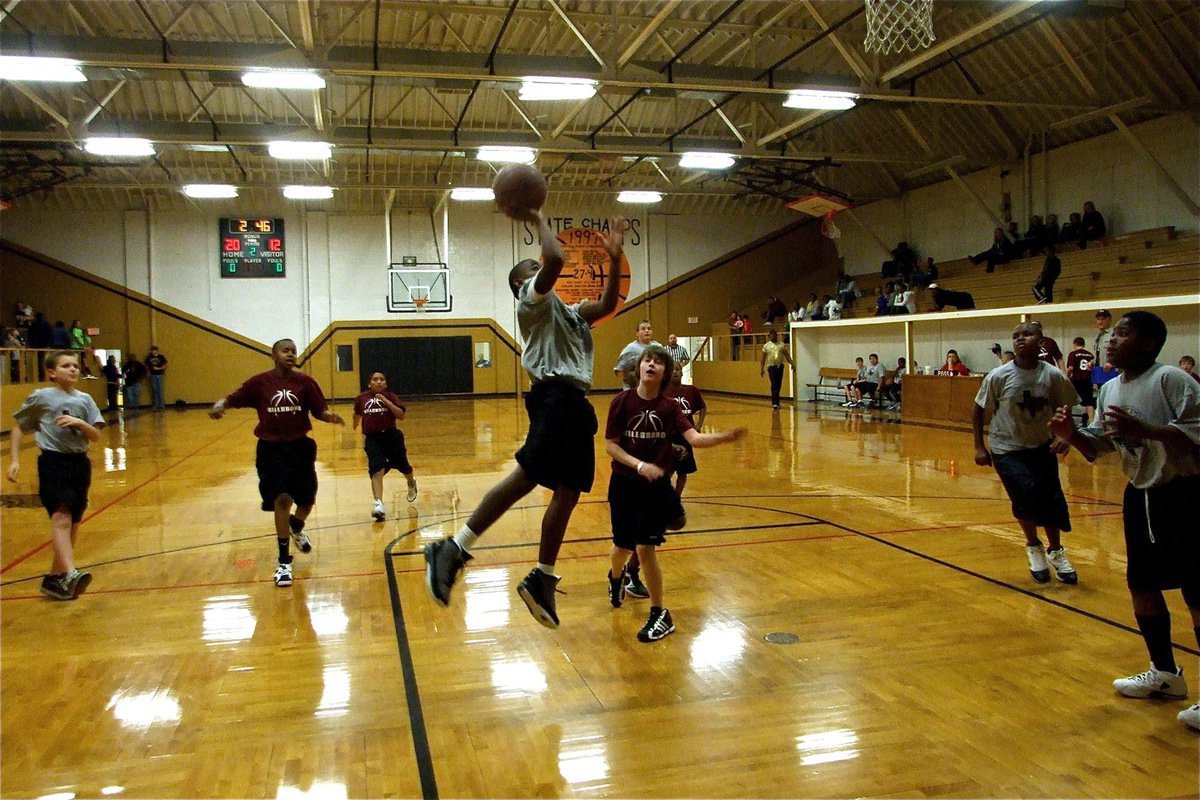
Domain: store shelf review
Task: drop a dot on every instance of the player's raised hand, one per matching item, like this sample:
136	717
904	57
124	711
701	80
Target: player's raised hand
1062	424
1119	423
614	240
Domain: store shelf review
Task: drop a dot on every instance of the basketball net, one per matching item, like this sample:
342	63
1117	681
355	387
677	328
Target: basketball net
420	298
419	303
828	229
894	26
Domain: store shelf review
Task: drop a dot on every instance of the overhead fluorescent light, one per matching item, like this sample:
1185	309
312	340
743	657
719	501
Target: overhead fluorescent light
706	161
820	99
308	192
118	146
507	155
300	151
631	196
48	70
651	159
207	148
283	79
472	193
557	89
210	190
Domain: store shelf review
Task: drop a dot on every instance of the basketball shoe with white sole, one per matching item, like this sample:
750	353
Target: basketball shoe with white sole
1039	568
1153	681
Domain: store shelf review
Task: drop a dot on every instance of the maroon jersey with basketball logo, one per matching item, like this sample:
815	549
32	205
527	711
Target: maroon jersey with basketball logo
283	403
645	428
689	399
1049	351
377	417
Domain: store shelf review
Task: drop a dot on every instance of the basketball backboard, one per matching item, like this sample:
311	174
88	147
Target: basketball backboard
412	282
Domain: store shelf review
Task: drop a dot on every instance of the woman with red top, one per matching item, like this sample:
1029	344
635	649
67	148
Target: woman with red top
953	366
286	458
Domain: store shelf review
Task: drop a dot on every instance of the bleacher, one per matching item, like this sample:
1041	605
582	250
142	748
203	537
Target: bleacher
1147	263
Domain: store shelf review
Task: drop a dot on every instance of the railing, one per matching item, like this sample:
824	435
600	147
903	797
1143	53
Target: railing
27	365
736	346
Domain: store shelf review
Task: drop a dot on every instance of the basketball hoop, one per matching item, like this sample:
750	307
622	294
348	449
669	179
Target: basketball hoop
419	296
828	229
419	303
894	26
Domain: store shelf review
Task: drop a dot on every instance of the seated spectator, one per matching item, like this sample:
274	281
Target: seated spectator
23	313
881	302
1011	232
1052	231
868	381
931	271
1043	290
1034	240
902	262
815	309
953	366
1188	365
775	310
861	366
847	290
904	301
999	253
892	385
947	297
833	309
797	313
60	337
1072	232
1093	223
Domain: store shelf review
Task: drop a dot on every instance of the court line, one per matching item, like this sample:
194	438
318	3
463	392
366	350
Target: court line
114	501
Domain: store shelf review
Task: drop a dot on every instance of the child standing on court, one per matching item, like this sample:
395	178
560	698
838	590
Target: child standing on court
1021	397
642	423
286	458
66	420
1079	371
692	404
559	451
1151	416
377	410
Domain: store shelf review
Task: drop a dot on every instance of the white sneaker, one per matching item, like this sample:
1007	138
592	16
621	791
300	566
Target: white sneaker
377	511
283	574
1062	568
1038	567
1153	681
1191	717
412	492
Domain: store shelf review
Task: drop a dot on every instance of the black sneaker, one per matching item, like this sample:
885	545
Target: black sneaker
537	590
78	581
634	586
658	626
616	590
56	586
443	560
298	535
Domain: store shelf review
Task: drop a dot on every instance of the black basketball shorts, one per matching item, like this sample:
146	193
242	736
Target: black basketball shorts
287	468
640	510
385	451
559	449
1160	538
63	482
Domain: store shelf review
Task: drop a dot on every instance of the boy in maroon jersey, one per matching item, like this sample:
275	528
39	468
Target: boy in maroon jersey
641	425
286	457
1079	372
377	410
691	403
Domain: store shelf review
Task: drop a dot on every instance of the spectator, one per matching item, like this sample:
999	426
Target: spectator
23	314
881	302
1093	224
1000	252
1072	232
869	380
60	337
679	354
13	339
1043	290
860	375
156	365
133	372
797	313
813	309
735	332
833	309
79	337
904	301
1188	365
1034	240
847	290
906	260
892	385
947	297
953	366
1052	231
1103	334
931	270
775	310
41	334
112	382
747	327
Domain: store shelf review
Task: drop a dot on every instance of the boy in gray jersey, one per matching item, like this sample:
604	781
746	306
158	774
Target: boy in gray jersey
1021	396
65	420
559	452
1150	415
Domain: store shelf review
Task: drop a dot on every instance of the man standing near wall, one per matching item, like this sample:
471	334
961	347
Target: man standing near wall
156	364
679	353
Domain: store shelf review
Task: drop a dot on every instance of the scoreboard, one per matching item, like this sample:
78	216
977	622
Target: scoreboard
252	248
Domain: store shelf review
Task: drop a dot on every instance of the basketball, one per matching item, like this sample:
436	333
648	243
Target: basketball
519	186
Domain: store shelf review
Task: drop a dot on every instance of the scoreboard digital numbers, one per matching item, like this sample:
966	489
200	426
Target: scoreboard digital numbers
252	248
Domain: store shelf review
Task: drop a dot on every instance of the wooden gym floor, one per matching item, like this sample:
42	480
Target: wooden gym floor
925	663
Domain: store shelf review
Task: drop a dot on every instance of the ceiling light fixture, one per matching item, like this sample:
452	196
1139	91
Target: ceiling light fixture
557	89
210	191
632	196
820	99
283	79
300	151
48	70
308	192
706	161
507	155
472	193
118	146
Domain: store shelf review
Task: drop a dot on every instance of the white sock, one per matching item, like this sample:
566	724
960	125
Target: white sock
465	538
546	568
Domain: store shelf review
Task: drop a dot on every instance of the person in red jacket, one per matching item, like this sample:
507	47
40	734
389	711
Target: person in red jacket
286	458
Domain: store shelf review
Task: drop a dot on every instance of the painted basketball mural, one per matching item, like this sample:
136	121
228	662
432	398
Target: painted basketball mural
585	268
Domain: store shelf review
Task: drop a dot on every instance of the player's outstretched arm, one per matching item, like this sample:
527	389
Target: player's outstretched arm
331	417
218	409
614	245
552	254
697	439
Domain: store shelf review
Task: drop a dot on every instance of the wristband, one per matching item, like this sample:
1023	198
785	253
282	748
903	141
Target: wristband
639	467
